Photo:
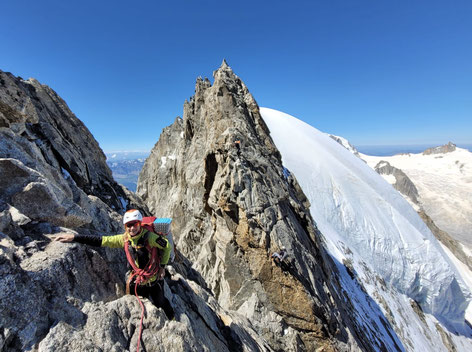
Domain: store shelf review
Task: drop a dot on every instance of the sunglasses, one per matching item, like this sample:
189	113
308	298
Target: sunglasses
131	224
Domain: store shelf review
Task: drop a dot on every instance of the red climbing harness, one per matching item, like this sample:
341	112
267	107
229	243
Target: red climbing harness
141	276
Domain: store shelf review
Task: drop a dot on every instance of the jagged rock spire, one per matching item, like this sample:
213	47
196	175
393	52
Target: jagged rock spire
224	66
218	173
223	71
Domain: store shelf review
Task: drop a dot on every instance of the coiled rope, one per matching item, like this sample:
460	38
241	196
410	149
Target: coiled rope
141	276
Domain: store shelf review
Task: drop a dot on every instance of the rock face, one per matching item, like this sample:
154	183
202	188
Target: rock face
402	182
48	154
345	143
219	175
40	115
447	148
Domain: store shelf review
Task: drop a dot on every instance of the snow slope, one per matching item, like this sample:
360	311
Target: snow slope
444	179
369	224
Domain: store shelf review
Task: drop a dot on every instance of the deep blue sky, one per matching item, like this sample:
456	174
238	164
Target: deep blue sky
374	72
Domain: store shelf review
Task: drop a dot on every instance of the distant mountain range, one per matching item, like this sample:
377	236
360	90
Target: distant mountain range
126	166
390	150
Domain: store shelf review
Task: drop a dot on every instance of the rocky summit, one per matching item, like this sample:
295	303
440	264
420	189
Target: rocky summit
218	174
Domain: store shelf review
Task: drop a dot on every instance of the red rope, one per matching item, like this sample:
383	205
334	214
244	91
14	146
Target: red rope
142	276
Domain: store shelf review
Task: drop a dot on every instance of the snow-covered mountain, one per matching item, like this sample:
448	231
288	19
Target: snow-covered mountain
444	183
371	229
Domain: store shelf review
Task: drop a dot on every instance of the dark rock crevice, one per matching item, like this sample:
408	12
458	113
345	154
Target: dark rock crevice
211	168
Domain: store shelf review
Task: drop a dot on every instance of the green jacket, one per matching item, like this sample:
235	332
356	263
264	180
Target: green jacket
118	241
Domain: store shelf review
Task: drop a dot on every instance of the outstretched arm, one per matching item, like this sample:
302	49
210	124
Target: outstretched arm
84	239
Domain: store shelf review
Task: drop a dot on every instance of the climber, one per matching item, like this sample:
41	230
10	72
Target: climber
237	144
144	249
280	259
279	256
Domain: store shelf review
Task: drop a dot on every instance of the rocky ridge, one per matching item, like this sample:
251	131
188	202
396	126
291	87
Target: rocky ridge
447	148
217	172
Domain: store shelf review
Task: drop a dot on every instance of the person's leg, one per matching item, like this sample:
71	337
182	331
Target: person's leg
157	294
143	291
284	266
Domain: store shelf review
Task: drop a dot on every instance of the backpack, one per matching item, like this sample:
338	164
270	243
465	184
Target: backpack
162	227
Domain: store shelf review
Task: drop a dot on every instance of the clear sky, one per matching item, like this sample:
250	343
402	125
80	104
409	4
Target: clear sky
372	71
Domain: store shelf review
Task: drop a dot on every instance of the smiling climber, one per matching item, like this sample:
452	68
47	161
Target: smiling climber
147	254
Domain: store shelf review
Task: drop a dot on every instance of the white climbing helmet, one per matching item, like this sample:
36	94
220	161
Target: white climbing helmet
132	215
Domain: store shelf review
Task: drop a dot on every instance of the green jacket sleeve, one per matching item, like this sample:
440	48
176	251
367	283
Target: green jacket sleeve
116	241
161	243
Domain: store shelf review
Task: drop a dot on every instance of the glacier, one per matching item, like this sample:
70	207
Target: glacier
366	221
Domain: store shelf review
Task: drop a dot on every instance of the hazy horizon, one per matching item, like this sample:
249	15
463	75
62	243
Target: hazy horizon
374	150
